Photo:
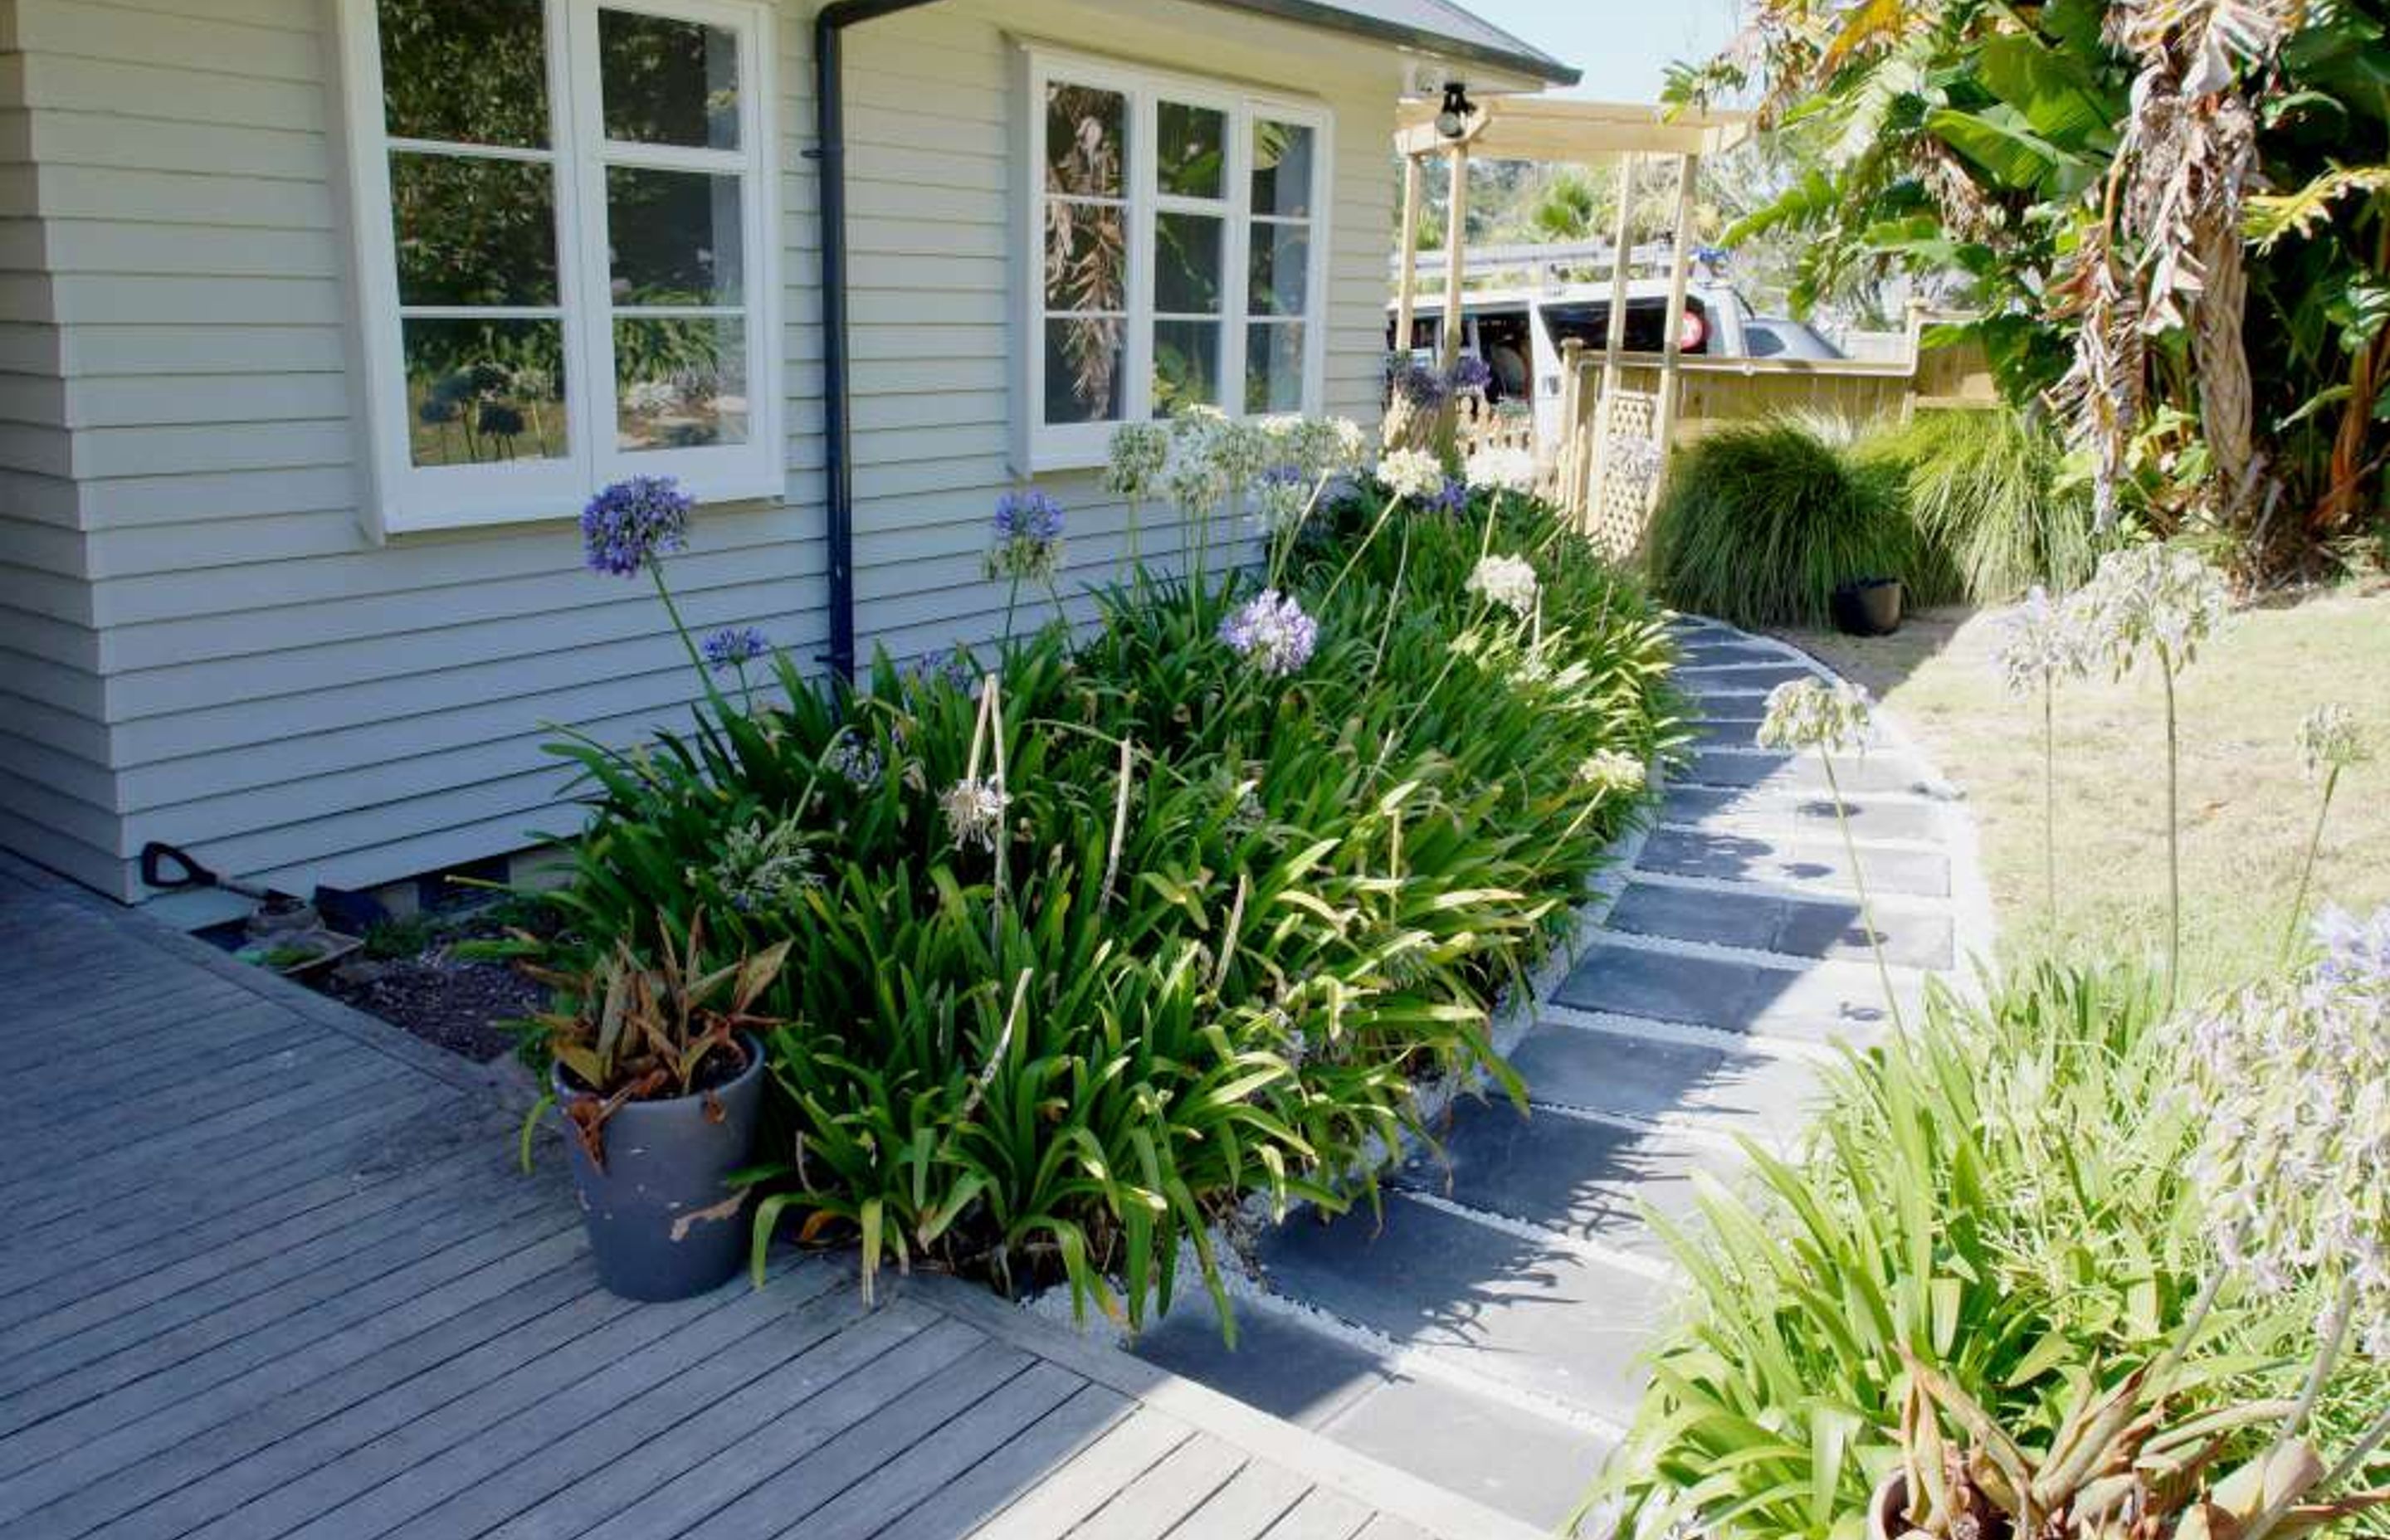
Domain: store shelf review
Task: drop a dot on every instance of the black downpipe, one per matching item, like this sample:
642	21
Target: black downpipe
838	423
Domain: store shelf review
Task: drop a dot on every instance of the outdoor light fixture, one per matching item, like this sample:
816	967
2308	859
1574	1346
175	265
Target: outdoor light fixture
1453	121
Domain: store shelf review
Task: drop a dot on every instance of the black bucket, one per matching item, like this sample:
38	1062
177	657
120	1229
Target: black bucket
1869	607
666	1162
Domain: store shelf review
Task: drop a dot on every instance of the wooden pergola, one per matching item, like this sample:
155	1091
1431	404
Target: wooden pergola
1575	133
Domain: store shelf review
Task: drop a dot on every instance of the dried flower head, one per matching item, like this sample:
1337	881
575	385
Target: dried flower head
975	810
1140	451
734	646
1809	714
1271	632
2329	742
631	523
2159	596
2041	642
1501	470
1413	475
1613	773
1507	580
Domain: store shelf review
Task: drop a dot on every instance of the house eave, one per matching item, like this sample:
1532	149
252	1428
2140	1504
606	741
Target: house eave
1533	66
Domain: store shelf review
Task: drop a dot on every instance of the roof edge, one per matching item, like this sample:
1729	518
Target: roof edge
1537	64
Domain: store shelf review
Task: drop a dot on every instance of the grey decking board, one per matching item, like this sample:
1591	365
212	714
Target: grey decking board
654	1425
1252	1502
1126	1451
932	1465
1151	1506
1000	1476
789	1496
150	1081
1322	1515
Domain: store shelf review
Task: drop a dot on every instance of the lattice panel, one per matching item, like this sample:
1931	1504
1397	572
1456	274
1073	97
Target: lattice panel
1622	505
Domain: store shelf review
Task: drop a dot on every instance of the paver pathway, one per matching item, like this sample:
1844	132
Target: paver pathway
269	1271
1486	1335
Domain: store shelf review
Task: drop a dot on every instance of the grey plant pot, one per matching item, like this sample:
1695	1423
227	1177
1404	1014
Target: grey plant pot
664	1164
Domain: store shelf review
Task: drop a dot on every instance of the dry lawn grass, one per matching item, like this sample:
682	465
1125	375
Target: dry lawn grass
2246	810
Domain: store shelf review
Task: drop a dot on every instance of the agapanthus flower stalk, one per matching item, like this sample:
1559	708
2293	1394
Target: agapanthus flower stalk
1507	581
1270	632
2041	643
1028	547
2329	742
1808	713
1412	475
1140	451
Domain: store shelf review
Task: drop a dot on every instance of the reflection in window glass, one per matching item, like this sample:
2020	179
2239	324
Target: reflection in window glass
666	82
1281	169
1086	141
1187	271
1186	366
1273	367
1191	150
1086	256
474	231
484	393
1281	280
673	236
680	382
1084	376
465	74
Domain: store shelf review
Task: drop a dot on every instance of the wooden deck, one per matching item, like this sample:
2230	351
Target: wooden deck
270	1271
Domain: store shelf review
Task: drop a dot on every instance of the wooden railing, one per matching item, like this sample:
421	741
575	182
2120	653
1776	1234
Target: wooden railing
1712	392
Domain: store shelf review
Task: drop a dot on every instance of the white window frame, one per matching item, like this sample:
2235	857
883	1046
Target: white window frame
409	498
1040	446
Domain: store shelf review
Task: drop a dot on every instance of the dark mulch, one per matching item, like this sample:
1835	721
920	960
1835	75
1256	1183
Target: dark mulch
448	1001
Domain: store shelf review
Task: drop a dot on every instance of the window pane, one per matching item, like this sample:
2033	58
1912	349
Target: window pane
473	232
1083	369
1190	150
680	383
1282	167
483	393
1086	256
1086	137
471	74
1273	367
1186	263
674	236
1186	366
1282	269
668	82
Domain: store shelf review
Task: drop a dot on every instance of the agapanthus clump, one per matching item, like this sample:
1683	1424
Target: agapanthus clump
1412	475
762	867
1810	714
1507	580
2329	742
1501	470
1270	632
630	524
2165	601
975	810
2041	643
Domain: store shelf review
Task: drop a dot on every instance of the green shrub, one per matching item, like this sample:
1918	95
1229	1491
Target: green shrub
1985	488
1758	524
1058	1054
2006	1195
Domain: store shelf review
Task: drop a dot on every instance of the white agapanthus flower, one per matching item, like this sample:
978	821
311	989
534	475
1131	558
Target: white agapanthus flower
2041	643
976	812
1613	773
1191	480
2293	1088
1809	714
1241	451
1139	450
1413	475
2159	596
1281	500
1501	470
1507	580
2329	740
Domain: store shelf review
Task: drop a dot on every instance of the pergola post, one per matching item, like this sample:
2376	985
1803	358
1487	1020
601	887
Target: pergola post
1455	253
1681	262
1614	341
1406	285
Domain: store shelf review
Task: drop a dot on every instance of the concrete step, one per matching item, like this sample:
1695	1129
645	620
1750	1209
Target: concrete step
1823	928
1735	998
1747	768
1617	1070
1741	678
1802	864
1710	652
1871	817
1507	1451
1537	1315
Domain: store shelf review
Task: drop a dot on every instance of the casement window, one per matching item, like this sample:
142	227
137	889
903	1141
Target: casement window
566	248
1176	243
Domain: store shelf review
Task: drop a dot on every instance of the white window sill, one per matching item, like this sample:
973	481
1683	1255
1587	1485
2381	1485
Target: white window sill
512	513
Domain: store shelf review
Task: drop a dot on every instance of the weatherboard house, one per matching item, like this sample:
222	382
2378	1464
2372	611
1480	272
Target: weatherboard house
324	318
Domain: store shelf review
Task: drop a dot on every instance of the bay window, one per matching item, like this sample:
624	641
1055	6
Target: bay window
1176	244
565	243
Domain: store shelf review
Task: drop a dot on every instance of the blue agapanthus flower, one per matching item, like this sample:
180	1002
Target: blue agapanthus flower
1454	498
1271	632
1424	388
733	646
1028	514
1471	373
631	523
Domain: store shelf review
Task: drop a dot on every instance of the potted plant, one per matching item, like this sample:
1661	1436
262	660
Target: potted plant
656	1072
1868	606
